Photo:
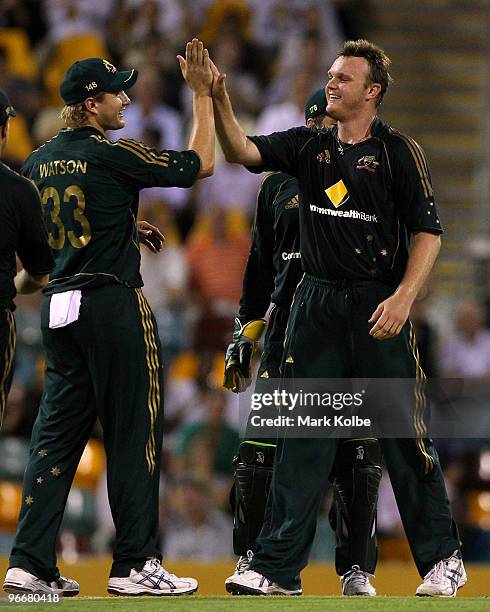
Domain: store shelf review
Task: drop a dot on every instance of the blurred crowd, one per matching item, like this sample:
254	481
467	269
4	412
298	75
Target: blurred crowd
275	53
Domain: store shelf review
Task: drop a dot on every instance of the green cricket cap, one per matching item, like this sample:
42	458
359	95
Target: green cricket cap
6	109
316	105
89	77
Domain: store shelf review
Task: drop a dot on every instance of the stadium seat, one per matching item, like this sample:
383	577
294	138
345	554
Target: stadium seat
479	509
184	366
91	466
394	549
19	145
65	53
237	223
10	502
20	60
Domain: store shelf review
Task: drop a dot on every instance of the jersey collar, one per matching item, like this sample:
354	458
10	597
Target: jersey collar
377	128
80	132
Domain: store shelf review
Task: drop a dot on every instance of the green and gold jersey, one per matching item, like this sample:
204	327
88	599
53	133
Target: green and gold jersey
359	203
89	189
274	263
22	232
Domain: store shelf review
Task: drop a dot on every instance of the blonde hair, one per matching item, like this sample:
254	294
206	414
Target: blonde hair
76	115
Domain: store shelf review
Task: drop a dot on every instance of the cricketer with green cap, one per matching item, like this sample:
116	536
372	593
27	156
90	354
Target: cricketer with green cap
272	273
103	355
6	108
316	106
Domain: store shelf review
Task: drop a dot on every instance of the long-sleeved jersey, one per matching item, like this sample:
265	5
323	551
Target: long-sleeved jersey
274	264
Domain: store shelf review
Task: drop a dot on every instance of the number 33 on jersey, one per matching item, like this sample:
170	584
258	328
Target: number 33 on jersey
89	189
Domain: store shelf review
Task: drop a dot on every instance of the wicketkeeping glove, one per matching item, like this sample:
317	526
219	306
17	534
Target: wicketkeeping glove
238	358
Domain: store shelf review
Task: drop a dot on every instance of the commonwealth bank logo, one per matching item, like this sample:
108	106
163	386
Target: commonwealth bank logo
337	194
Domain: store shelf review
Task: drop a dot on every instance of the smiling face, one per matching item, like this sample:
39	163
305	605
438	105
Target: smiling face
349	89
109	110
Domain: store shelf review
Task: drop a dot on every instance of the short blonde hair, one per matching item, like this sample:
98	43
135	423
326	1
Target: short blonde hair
76	115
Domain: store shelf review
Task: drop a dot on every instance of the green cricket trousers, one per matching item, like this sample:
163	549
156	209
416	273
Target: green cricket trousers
328	337
107	364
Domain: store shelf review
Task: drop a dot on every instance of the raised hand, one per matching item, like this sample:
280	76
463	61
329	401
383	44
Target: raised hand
196	68
219	87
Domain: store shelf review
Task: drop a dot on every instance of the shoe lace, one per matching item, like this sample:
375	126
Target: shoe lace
446	568
437	573
156	565
244	562
357	577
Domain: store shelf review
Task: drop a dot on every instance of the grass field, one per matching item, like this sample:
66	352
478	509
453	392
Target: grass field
259	604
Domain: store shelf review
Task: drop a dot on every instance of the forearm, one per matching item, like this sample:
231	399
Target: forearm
258	285
420	263
255	300
25	283
202	139
237	148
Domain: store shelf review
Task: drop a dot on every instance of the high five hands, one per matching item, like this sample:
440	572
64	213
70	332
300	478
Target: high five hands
196	68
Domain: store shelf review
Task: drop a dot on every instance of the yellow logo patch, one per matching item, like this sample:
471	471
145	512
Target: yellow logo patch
336	193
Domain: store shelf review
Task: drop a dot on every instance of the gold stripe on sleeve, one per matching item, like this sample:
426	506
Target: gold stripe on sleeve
145	148
141	154
137	149
420	162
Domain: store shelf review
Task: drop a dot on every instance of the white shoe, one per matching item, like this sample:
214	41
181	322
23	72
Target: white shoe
242	566
356	582
253	583
153	579
20	581
445	578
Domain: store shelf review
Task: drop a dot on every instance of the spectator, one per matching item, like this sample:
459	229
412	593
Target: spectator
212	436
291	110
216	254
25	96
229	53
147	112
230	187
165	277
161	18
66	18
467	353
199	531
